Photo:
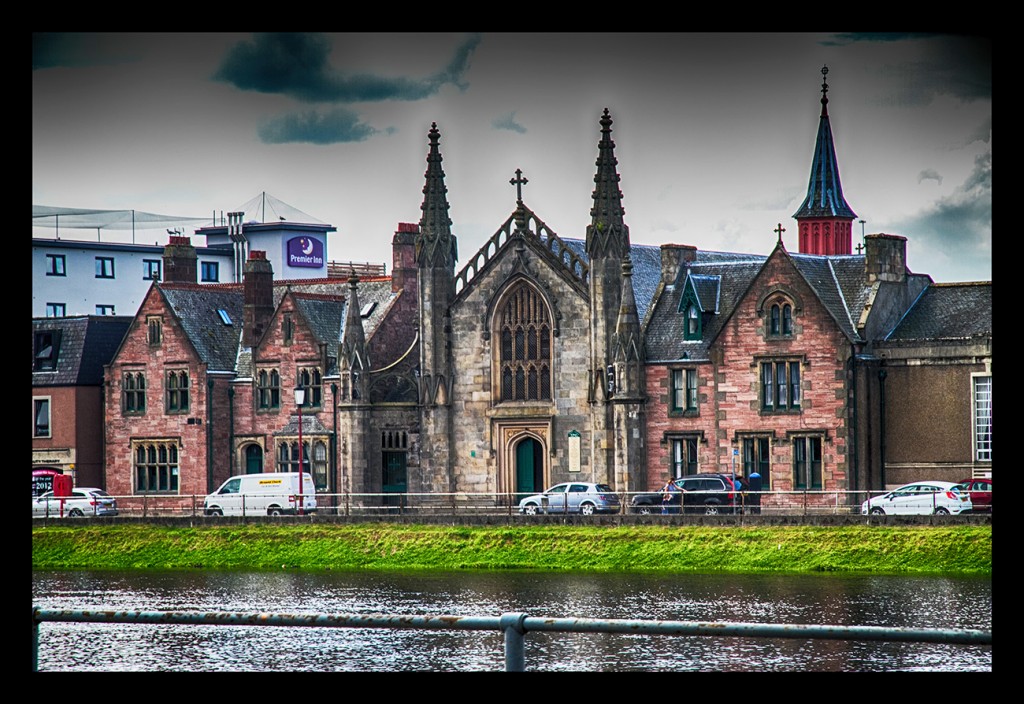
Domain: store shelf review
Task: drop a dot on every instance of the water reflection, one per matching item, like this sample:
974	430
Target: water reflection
914	602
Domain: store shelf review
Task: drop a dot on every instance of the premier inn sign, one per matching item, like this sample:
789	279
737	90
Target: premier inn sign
305	251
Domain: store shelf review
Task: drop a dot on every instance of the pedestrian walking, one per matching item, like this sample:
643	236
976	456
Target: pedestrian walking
754	488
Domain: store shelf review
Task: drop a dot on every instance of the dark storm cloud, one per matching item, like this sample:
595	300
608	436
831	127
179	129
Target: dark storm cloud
72	49
316	128
508	122
844	38
296	65
963	219
961	66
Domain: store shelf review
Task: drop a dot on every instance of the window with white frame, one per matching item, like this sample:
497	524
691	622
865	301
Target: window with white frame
982	413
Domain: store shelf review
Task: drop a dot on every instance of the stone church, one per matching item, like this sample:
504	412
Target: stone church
541	359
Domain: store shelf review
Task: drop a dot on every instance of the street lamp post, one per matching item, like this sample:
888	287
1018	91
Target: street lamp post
300	397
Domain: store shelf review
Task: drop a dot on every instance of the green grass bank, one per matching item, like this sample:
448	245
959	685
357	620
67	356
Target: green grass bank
964	549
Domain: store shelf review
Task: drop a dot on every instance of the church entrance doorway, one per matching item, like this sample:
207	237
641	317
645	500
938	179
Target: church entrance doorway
529	467
395	479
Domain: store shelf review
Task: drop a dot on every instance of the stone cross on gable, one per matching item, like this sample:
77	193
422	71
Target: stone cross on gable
518	182
860	248
779	230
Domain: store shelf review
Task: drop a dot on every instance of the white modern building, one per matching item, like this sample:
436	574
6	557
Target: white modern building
73	277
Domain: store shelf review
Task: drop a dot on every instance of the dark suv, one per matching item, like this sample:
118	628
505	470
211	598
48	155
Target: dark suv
709	494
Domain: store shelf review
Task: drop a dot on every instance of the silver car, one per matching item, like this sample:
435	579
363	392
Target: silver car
582	497
84	501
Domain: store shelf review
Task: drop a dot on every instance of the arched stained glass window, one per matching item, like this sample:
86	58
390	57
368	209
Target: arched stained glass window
524	363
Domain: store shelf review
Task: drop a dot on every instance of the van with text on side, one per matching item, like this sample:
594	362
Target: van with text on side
265	494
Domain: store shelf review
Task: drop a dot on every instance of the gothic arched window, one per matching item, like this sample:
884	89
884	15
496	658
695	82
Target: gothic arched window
524	351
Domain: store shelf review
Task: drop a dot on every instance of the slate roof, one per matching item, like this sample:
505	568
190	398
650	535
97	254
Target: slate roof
646	269
87	343
320	301
196	308
719	278
948	312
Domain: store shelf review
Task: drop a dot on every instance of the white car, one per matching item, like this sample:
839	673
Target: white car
919	498
583	497
84	501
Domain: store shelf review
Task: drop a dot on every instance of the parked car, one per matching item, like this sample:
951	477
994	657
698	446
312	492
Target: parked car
920	498
583	497
84	501
709	494
980	491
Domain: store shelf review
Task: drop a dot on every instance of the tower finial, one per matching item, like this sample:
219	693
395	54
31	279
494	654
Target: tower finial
824	91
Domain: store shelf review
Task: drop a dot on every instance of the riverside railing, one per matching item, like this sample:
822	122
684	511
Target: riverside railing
802	502
514	626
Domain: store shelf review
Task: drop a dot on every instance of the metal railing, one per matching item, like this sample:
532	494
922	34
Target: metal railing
804	502
514	626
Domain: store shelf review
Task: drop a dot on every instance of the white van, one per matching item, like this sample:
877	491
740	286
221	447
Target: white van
266	494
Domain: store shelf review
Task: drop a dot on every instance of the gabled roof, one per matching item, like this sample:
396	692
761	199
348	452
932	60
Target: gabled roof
838	281
948	312
196	306
87	343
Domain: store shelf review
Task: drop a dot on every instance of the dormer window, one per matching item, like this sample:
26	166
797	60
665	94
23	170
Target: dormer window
692	323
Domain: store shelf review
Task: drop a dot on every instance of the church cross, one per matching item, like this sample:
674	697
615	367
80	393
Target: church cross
518	182
860	248
779	230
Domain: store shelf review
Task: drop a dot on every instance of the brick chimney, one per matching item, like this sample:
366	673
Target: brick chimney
258	285
885	257
403	257
180	261
674	256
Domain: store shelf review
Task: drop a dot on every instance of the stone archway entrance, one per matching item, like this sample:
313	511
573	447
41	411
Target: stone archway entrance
529	472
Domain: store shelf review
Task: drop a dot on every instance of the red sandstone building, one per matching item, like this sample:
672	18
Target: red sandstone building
547	359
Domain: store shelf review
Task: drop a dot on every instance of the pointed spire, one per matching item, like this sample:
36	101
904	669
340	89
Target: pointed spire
627	327
353	339
824	218
436	245
607	233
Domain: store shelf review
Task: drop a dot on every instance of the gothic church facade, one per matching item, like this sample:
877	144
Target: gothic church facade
539	360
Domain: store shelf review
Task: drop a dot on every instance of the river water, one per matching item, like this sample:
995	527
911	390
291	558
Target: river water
845	600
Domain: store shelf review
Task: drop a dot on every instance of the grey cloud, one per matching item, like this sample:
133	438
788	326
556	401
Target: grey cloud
77	49
296	65
317	128
508	122
962	219
930	174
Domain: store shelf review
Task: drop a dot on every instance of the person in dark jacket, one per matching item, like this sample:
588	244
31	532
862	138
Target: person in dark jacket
754	492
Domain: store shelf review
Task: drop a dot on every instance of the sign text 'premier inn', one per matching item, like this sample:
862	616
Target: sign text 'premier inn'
305	251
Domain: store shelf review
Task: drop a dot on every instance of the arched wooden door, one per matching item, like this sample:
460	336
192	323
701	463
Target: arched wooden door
253	459
529	467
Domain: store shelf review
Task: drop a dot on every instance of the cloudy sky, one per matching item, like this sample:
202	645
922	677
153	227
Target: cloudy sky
714	132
